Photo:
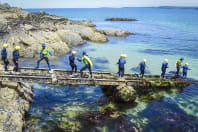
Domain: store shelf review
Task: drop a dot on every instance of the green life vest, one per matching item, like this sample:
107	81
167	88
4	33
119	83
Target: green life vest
45	52
179	63
87	60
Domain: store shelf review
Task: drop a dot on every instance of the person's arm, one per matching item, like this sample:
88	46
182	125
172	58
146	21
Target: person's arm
80	59
50	53
118	61
40	55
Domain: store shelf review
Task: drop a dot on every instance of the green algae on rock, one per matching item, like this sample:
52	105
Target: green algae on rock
122	93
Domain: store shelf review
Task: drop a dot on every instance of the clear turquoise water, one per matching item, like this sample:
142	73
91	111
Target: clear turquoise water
159	33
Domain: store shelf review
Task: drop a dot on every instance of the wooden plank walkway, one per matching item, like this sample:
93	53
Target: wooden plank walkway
63	77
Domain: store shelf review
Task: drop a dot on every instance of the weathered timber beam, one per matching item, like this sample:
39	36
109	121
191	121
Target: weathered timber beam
29	79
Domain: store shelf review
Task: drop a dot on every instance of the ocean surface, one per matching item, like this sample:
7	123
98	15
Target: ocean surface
160	33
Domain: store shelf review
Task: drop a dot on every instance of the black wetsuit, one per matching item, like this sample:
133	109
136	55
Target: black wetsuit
72	63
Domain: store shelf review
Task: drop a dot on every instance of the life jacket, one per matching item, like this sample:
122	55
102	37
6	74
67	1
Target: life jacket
142	65
164	65
45	52
121	63
178	63
88	60
185	68
3	52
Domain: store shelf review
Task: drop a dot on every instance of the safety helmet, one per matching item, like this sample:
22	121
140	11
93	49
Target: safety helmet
166	60
73	52
17	47
186	64
181	58
84	53
43	45
123	55
5	46
144	60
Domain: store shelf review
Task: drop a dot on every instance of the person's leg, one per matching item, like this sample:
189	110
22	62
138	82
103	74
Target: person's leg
5	64
163	72
75	67
14	61
143	72
82	69
72	67
17	66
38	62
122	72
48	64
90	70
178	69
119	71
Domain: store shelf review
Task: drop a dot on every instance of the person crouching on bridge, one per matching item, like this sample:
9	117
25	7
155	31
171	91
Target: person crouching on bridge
142	67
72	59
4	57
178	65
16	55
185	70
88	64
164	67
121	63
44	56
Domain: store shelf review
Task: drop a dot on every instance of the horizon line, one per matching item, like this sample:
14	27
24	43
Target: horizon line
114	7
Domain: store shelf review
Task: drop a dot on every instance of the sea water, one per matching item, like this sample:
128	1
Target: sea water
159	33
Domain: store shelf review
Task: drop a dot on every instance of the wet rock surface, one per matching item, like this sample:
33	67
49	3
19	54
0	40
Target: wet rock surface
122	93
105	116
168	116
115	32
15	101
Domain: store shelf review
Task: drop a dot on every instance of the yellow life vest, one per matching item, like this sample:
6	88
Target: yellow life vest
89	60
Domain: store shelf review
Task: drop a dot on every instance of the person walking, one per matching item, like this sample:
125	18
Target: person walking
44	56
4	57
16	55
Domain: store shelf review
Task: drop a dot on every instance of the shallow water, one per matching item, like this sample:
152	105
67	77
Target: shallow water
160	33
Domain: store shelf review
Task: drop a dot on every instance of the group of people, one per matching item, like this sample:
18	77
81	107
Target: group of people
44	52
15	58
142	66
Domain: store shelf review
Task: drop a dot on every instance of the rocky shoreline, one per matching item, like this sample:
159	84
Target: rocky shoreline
15	100
30	30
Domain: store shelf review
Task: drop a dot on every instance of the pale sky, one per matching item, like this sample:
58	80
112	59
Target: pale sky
97	3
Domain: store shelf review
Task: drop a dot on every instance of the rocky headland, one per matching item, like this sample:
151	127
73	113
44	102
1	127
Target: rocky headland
30	30
120	19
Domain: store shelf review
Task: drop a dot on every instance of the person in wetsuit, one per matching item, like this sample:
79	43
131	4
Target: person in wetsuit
44	56
179	65
88	64
164	67
4	56
121	63
72	59
16	55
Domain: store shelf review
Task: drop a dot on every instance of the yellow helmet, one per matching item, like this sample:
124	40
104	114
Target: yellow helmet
123	55
5	46
18	48
166	60
73	52
186	64
144	60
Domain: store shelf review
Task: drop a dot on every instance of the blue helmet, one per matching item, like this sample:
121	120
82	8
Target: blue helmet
181	58
84	53
43	45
